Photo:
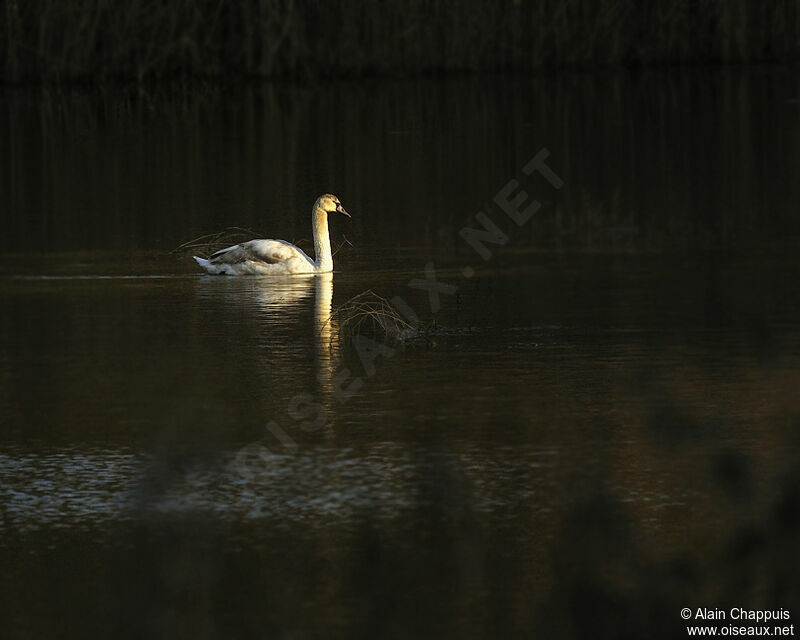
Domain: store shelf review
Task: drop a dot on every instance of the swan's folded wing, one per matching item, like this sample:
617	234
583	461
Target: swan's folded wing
269	251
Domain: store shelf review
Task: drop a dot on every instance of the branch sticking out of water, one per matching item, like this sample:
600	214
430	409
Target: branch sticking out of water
370	314
341	244
212	242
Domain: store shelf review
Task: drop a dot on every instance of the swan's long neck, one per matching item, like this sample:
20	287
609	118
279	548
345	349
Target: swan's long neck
322	241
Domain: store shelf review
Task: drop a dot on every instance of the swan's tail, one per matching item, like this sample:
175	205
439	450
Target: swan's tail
204	263
217	269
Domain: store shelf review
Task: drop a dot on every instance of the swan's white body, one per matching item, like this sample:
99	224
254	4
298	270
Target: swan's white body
262	257
278	257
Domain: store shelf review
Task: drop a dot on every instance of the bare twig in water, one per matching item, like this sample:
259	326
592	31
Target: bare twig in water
369	313
212	242
342	243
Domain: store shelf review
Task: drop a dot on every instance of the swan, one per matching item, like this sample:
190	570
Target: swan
278	257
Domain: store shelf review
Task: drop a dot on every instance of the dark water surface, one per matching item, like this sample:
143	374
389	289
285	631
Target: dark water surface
600	426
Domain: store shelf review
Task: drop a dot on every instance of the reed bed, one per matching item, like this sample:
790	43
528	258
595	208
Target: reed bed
97	40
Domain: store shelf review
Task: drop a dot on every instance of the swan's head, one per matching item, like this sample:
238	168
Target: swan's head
330	204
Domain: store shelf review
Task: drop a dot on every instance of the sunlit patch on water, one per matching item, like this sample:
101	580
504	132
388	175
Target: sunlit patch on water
74	488
103	487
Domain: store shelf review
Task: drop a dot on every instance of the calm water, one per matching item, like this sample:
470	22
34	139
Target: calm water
599	427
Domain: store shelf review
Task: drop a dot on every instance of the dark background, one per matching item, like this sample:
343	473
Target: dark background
600	429
95	40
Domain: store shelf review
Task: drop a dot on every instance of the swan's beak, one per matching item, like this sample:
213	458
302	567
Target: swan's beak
340	209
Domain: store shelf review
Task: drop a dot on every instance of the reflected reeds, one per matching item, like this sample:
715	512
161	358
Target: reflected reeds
651	160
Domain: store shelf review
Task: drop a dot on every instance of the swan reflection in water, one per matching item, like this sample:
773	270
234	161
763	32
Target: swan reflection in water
284	302
275	309
326	334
